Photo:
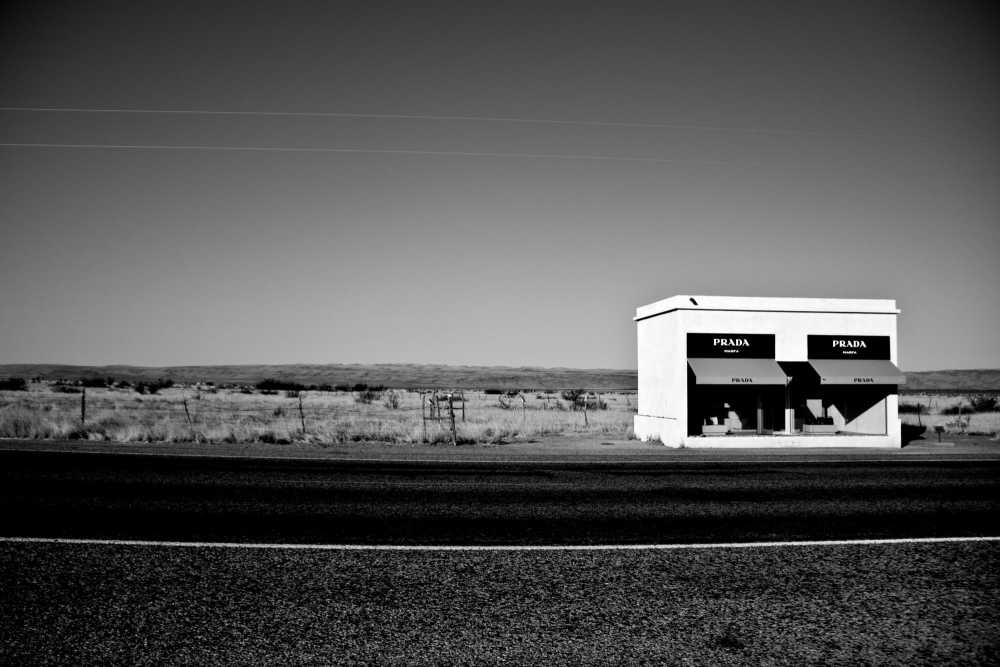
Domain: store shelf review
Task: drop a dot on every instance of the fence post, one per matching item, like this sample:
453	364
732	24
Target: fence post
187	413
302	415
83	406
423	415
451	413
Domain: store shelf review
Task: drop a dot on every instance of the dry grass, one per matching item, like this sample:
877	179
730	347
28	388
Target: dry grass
121	415
975	423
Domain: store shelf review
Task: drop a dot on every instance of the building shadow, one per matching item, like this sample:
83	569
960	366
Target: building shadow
911	432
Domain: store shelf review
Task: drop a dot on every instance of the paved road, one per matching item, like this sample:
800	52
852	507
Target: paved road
226	499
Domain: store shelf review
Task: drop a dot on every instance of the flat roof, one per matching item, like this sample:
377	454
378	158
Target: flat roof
765	304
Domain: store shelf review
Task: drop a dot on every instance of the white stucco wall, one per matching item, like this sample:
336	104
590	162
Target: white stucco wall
662	330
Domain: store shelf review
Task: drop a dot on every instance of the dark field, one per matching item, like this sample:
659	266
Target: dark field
916	604
255	500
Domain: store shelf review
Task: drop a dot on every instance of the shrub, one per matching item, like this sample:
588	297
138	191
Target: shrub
18	422
14	384
279	385
342	387
367	396
361	386
580	399
65	389
153	386
96	383
960	409
391	399
983	402
912	409
271	438
292	393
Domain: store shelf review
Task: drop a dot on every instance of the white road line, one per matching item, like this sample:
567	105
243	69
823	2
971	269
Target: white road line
501	547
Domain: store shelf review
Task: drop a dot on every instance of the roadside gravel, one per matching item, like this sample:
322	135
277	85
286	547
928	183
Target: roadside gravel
872	604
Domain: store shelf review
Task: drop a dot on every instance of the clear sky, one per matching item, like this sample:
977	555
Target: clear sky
800	149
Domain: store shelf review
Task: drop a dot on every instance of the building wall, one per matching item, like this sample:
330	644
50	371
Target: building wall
662	390
662	358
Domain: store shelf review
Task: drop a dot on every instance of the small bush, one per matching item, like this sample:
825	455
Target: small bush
65	389
983	402
912	409
361	386
280	385
342	387
391	400
271	438
367	396
96	383
292	393
580	399
961	409
14	384
153	386
18	422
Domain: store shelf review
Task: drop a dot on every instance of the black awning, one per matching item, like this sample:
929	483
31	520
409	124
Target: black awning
740	371
857	371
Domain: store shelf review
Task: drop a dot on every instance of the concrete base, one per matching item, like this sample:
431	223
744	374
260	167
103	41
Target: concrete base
790	441
668	431
813	429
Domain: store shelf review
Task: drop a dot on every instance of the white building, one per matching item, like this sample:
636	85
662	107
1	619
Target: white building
719	371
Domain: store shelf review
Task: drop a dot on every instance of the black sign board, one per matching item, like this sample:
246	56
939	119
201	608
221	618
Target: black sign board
724	345
848	347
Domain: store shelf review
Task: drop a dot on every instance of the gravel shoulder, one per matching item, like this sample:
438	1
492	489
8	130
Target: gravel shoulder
881	604
555	448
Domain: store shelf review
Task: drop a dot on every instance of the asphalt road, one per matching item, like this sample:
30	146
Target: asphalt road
253	500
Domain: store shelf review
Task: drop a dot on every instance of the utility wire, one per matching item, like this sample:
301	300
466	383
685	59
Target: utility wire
395	116
375	151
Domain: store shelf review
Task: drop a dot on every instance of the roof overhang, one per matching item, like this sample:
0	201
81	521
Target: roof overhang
766	304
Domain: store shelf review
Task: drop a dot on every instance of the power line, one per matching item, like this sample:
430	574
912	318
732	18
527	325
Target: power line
396	116
375	151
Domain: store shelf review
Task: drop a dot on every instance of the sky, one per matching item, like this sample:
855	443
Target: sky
508	182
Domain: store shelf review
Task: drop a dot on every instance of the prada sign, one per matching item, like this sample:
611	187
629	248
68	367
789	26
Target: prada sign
848	347
727	345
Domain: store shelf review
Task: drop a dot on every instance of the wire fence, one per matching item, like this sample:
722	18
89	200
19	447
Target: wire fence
191	413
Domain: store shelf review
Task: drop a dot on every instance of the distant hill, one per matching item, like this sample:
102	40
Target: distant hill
390	375
955	380
439	376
